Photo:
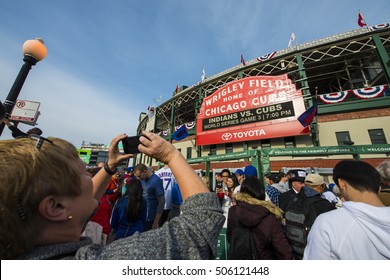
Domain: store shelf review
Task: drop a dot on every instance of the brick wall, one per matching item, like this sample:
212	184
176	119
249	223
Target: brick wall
354	115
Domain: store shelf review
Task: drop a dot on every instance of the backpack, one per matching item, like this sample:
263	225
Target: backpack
299	217
242	245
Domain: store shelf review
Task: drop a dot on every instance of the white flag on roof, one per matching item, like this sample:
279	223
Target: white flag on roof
292	39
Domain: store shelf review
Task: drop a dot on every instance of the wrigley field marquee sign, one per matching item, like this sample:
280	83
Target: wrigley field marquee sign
252	108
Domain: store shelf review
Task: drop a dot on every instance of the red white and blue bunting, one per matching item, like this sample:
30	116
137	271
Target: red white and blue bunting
189	125
371	92
266	56
335	97
380	26
362	93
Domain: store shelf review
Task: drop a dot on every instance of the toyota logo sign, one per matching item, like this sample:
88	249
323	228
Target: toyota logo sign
227	136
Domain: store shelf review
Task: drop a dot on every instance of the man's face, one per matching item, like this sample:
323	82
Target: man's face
239	177
224	176
297	185
318	188
141	175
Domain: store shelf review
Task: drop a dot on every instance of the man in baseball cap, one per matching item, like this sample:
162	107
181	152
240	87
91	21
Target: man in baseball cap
130	169
239	172
240	177
316	182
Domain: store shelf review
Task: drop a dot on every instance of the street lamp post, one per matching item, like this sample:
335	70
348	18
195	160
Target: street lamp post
34	51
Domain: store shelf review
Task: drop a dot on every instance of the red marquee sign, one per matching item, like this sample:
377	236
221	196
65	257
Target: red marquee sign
259	107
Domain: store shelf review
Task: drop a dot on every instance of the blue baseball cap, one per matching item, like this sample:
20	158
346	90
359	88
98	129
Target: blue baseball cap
130	169
250	171
239	172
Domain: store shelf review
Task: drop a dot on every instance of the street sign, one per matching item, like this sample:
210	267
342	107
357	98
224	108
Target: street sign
25	111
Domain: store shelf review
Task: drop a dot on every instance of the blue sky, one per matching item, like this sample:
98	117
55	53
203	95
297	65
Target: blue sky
108	60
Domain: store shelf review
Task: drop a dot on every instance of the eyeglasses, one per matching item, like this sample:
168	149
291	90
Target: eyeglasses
40	140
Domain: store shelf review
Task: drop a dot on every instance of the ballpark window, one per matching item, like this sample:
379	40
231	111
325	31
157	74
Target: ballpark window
189	152
289	142
213	150
377	136
229	148
343	138
266	143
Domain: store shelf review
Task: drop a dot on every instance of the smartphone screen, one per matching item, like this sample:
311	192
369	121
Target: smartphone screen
130	144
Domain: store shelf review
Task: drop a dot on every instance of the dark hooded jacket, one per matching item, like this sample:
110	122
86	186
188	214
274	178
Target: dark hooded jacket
265	221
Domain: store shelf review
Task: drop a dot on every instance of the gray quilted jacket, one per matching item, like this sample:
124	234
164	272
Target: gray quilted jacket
192	235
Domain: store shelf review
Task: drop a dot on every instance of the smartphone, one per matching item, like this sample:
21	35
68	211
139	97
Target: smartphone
130	144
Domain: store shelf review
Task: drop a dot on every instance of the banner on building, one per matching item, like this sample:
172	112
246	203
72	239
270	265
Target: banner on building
259	107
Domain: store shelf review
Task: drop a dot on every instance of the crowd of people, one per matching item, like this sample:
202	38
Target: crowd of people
59	209
298	216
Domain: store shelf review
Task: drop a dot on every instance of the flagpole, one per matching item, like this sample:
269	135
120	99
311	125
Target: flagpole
315	124
368	27
365	22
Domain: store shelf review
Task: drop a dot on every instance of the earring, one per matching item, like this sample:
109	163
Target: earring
70	217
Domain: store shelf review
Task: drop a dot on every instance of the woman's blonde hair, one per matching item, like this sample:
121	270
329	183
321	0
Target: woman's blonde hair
28	174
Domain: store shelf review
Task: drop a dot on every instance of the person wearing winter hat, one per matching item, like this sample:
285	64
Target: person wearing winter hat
297	182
